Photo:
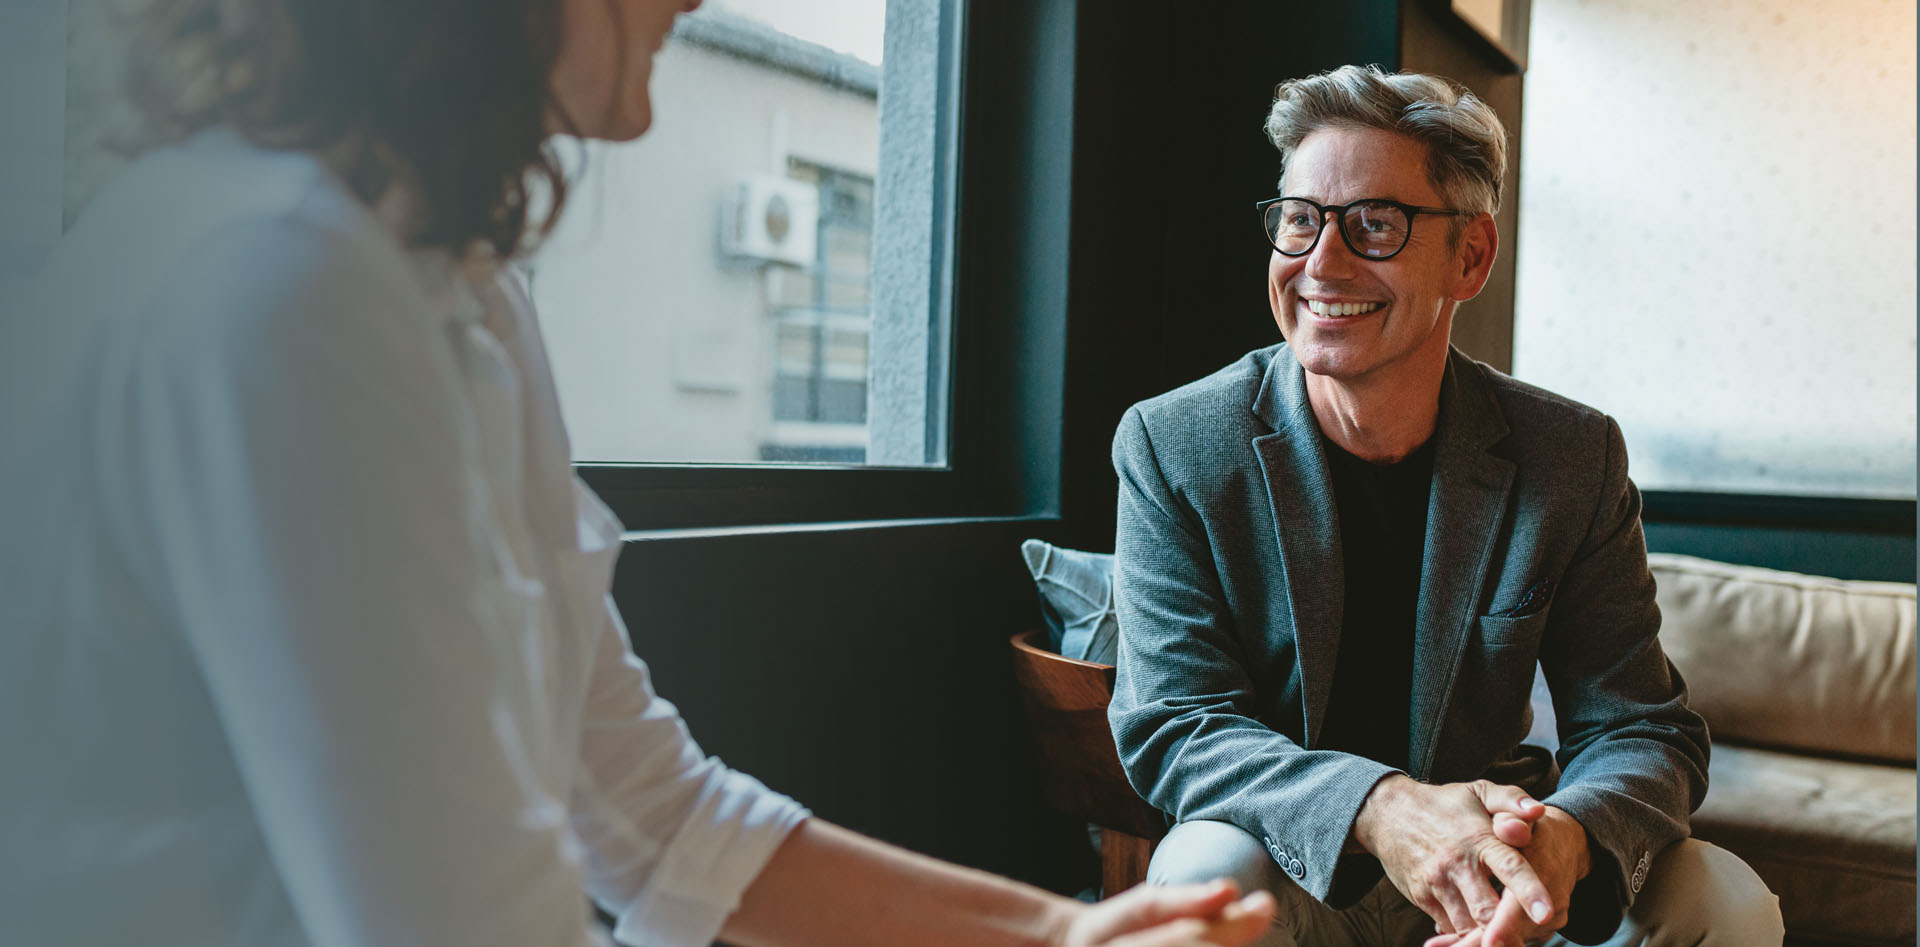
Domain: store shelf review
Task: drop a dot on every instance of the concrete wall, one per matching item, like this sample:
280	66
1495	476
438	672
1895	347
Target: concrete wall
662	345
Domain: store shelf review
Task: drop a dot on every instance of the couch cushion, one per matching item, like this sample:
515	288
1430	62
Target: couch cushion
1833	839
1793	661
1076	595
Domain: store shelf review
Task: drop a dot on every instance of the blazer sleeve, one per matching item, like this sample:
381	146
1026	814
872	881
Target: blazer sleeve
1633	755
1183	711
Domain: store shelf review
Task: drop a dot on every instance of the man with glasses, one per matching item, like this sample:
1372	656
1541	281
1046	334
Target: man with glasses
1340	558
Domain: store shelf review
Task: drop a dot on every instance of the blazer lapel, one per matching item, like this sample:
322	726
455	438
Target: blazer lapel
1465	510
1301	493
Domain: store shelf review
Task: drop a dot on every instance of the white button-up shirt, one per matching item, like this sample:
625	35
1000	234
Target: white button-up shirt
304	627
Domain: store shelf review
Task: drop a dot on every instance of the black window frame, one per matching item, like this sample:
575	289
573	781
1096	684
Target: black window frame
1004	168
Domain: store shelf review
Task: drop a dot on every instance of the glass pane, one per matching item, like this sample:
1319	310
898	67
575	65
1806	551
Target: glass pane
710	294
1293	225
846	354
1377	229
796	347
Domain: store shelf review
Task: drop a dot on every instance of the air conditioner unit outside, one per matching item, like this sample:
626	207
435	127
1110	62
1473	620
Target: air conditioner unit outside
770	218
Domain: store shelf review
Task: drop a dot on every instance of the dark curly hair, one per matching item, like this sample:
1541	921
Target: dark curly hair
449	97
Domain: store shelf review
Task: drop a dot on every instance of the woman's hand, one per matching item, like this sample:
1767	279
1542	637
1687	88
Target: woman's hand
1209	915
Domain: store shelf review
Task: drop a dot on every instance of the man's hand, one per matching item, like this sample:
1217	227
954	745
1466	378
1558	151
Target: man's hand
1438	844
1557	848
1174	916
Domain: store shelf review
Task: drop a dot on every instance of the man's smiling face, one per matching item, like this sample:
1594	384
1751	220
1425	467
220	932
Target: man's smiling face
1351	318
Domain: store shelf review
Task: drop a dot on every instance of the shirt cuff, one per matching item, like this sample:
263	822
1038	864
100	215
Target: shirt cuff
718	852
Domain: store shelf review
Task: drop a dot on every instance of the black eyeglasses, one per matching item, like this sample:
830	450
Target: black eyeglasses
1374	229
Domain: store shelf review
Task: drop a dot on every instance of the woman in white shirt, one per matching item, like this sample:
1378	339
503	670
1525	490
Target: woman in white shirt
307	637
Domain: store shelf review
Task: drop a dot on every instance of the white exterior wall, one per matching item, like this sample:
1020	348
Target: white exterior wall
662	346
1664	274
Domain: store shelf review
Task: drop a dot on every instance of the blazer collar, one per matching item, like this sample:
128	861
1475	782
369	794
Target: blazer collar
1465	510
1301	496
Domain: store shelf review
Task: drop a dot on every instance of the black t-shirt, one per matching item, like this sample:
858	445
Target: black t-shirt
1382	511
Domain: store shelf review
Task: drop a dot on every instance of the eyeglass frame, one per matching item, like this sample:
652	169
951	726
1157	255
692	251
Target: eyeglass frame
1340	213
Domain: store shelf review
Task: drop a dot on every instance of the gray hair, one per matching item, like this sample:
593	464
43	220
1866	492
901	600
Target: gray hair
1466	144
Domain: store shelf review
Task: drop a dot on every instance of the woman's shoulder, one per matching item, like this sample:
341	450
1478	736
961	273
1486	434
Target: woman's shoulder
239	230
215	250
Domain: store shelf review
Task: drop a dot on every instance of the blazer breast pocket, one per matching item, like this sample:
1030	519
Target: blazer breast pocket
1501	630
1532	602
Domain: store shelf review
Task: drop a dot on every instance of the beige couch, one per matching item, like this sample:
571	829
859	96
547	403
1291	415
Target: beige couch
1807	685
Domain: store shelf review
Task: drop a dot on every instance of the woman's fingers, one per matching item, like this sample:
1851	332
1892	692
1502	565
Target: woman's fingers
1178	916
1244	921
1239	924
1144	906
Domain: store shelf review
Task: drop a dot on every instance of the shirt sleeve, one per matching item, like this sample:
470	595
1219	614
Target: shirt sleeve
672	836
291	491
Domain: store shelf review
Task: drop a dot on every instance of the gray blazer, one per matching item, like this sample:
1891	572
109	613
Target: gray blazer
1229	592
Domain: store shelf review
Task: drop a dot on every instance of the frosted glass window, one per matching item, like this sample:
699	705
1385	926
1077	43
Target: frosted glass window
1717	237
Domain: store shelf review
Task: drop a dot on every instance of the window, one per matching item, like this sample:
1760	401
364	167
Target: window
712	377
821	331
1753	357
719	291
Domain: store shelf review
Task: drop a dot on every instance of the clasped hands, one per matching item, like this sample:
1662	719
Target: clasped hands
1443	845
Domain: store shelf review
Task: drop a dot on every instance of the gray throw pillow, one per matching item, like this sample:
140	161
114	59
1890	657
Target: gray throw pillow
1076	595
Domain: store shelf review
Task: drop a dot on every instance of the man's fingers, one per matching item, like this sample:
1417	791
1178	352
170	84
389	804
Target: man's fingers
1430	905
1447	890
1512	829
1509	927
1477	893
1522	883
1498	798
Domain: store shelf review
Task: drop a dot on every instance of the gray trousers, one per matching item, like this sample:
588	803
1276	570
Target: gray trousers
1695	894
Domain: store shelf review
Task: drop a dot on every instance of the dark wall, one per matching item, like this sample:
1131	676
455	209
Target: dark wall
1169	264
1848	538
1433	42
866	673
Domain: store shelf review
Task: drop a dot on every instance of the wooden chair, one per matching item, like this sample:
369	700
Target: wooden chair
1066	705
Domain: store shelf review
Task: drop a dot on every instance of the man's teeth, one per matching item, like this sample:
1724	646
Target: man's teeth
1323	308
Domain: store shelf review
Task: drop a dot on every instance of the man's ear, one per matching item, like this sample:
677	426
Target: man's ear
1479	246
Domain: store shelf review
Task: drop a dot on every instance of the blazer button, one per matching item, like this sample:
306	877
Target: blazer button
1294	868
1639	878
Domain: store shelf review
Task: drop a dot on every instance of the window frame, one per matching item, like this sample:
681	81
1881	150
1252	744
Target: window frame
1003	169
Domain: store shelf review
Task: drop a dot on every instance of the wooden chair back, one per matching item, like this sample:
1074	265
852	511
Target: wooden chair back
1066	705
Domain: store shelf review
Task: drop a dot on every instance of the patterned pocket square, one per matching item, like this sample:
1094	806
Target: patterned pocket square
1535	599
